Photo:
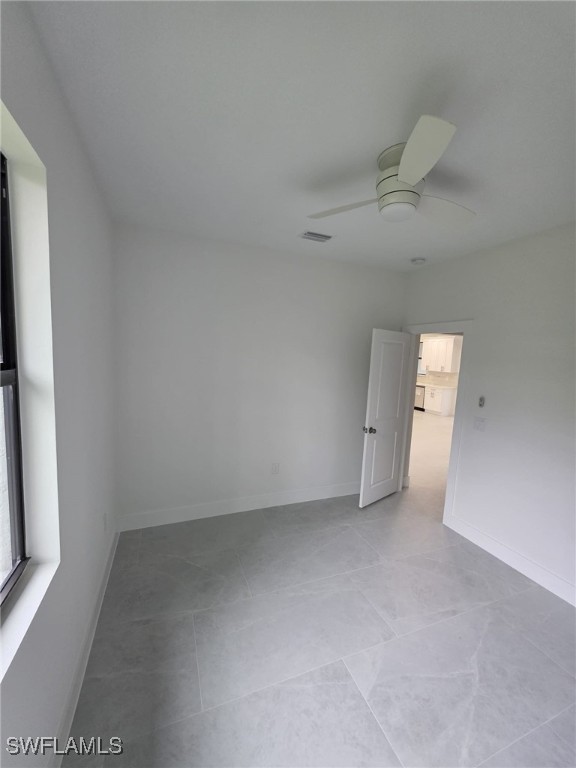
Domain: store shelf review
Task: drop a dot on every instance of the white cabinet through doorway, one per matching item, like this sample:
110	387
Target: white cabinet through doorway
440	400
442	354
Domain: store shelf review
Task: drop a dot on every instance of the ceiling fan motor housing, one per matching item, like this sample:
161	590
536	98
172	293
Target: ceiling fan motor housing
388	188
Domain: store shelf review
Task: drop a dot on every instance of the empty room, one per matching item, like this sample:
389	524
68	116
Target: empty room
287	299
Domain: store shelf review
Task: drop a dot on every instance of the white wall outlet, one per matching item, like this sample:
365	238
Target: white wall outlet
275	469
480	424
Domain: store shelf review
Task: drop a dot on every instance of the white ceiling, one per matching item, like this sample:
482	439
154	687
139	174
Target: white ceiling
233	121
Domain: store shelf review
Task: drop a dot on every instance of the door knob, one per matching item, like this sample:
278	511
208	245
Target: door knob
372	431
364	429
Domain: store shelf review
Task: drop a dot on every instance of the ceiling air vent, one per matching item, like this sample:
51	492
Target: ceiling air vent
316	236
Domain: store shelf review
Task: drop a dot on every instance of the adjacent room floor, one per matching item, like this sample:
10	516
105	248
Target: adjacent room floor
429	457
322	635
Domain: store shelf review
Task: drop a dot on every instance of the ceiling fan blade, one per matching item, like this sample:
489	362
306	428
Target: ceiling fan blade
342	209
445	211
426	145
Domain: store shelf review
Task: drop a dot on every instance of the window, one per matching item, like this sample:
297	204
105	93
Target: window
12	543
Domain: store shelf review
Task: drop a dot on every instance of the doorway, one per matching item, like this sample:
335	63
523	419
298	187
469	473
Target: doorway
436	393
434	425
390	411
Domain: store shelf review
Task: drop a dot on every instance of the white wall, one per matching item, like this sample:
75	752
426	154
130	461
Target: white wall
210	395
514	494
232	359
40	683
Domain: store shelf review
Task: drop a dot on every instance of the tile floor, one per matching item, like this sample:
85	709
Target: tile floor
323	635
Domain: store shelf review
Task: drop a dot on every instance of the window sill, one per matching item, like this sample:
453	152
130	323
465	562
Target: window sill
19	610
10	585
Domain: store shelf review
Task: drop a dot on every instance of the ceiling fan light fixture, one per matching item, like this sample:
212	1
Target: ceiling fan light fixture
398	211
400	183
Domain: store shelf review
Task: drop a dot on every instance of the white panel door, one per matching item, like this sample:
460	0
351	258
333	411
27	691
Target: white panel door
385	415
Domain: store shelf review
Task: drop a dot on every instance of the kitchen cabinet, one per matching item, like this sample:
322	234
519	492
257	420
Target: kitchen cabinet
420	397
435	354
440	400
442	354
427	355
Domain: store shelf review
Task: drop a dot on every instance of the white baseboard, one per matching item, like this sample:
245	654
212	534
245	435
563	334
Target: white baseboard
68	716
514	559
406	481
151	518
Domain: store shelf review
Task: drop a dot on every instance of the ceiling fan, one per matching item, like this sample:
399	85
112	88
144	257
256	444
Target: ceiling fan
401	182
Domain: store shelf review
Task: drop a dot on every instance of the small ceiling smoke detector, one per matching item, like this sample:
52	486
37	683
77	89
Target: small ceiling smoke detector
418	261
316	236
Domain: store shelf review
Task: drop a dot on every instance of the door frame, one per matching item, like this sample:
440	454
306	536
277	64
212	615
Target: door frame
463	393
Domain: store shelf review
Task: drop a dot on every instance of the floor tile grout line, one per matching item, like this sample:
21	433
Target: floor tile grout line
358	588
321	578
197	663
157	617
244	574
258	690
382	561
274	537
384	619
291	677
446	618
280	682
426	552
238	515
412	509
525	636
528	733
572	746
302	529
298	530
372	711
378	555
477	607
338	531
360	650
483	604
217	606
273	685
533	644
366	540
